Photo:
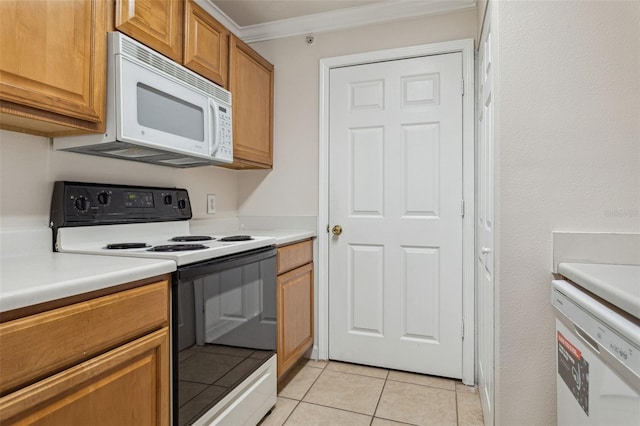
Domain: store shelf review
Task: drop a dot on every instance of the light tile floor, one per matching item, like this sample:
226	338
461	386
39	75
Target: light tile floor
336	393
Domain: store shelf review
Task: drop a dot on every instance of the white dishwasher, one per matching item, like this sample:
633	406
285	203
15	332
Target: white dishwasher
597	359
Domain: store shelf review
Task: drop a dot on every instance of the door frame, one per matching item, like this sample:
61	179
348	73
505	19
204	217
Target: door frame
466	47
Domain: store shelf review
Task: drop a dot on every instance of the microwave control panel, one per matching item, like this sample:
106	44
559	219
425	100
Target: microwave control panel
224	150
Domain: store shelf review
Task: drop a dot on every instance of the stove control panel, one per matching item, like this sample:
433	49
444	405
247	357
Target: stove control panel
86	204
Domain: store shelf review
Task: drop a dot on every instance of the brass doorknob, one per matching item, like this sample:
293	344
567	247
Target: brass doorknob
336	230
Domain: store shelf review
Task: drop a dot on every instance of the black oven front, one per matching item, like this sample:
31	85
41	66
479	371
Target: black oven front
224	328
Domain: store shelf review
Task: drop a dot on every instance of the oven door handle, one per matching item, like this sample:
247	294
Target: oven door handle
212	266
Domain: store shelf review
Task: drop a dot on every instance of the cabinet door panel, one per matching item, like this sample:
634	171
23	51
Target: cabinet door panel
53	57
156	23
206	44
295	316
129	385
294	255
251	85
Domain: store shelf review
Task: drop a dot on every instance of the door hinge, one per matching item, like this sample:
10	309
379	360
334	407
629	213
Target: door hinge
462	87
462	330
462	208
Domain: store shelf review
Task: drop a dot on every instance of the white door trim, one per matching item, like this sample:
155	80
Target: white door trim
465	46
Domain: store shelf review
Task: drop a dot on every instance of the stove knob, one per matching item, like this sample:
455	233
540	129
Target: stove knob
104	198
82	204
168	199
182	204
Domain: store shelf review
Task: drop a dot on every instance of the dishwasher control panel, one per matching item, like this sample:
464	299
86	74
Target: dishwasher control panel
594	331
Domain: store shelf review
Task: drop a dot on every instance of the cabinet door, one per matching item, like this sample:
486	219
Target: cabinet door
251	87
53	64
127	386
155	23
295	316
206	44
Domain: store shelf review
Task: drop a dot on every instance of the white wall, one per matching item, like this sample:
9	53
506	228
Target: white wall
28	168
292	187
568	159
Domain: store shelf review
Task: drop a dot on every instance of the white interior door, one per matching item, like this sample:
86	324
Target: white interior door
395	188
485	226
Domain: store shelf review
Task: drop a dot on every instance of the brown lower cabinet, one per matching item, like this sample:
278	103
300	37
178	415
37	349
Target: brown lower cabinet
295	303
105	358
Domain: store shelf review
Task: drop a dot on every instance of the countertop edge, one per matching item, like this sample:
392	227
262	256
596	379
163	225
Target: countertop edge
55	279
598	283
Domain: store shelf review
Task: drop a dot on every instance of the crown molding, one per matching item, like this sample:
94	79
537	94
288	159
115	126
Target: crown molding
220	16
338	19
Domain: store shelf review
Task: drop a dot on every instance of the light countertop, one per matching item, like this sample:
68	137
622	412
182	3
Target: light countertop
282	236
617	284
30	276
31	279
277	229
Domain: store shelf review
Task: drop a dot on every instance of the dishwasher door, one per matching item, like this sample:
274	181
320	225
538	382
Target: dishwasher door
597	361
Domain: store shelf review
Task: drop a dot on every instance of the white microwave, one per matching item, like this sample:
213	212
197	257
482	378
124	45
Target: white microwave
158	112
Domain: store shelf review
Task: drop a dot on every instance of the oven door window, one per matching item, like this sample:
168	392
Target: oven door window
226	329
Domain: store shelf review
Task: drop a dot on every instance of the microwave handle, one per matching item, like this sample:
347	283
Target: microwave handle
215	126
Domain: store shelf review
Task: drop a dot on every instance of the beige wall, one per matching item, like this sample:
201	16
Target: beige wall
292	187
481	9
569	159
28	168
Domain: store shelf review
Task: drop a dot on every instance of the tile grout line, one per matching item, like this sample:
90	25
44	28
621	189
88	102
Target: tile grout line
294	409
305	394
336	408
373	416
425	386
314	382
457	415
375	410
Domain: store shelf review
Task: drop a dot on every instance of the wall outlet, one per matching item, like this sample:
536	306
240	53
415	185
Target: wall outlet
211	203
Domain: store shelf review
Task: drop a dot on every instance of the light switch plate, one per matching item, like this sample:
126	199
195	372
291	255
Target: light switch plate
211	203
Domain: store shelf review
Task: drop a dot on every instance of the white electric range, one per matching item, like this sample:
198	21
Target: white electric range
158	240
223	295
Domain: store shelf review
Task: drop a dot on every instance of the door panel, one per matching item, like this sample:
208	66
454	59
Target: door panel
366	289
421	171
485	227
395	284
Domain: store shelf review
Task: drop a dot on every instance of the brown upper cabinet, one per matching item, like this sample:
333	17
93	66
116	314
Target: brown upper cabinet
206	44
54	56
52	66
180	30
156	23
209	49
251	85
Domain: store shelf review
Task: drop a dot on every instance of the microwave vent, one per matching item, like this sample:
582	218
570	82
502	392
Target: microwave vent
164	65
127	151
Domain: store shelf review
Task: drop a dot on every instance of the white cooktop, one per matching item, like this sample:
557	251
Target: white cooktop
617	284
94	240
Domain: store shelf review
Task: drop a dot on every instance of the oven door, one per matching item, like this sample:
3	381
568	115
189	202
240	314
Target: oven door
224	328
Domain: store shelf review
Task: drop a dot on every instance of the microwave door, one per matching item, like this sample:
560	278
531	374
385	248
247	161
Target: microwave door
156	111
